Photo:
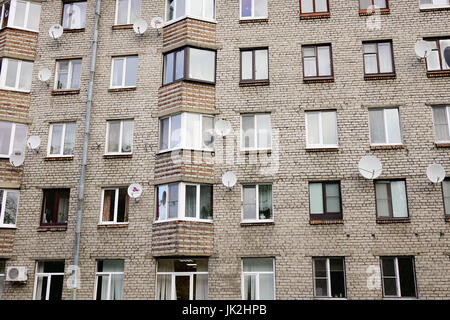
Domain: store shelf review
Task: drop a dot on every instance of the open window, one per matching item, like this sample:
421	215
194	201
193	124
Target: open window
55	208
115	206
398	277
329	277
49	280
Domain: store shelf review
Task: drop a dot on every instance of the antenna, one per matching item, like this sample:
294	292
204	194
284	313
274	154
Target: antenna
229	180
447	56
135	191
370	167
423	49
435	173
34	142
55	31
157	23
140	26
223	128
17	158
44	75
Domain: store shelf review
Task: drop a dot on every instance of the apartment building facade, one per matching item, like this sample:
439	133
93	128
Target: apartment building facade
287	95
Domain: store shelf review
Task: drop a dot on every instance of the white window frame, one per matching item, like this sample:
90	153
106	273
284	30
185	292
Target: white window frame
321	144
328	278
128	13
183	134
2	208
253	17
69	75
63	138
120	138
124	69
255	148
447	113
181	216
387	143
258	219
397	278
116	207
109	274
5	62
433	5
187	13
44	275
256	273
12	14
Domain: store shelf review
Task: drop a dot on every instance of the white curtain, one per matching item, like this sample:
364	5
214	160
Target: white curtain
316	198
329	128
202	64
440	124
324	57
399	203
201	287
164	287
266	287
116	287
385	57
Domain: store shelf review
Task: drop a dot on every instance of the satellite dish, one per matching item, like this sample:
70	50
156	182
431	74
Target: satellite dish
135	190
140	26
229	179
55	31
34	142
370	167
17	158
447	55
423	48
435	173
44	75
222	127
157	23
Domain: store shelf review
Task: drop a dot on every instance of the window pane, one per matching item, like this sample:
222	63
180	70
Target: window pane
249	287
78	18
55	147
173	201
444	44
208	132
164	287
260	8
131	71
382	199
193	138
249	207
162	202
63	206
310	67
399	201
20	137
122	12
393	126
63	74
320	268
201	287
175	133
202	64
370	47
390	286
181	8
5	137
258	265
248	131
365	4
321	288
113	136
247	65
321	6
109	200
329	128
433	62
11	73
11	205
406	273
168	68
49	203
164	134
196	8
170	9
440	124
206	210
261	65
122	209
376	121
370	63
210	9
388	267
263	123
246	8
381	4
333	198
127	136
307	6
34	15
265	201
313	134
118	72
324	60
385	56
19	16
76	74
266	287
315	198
446	191
337	278
69	139
191	201
135	10
179	72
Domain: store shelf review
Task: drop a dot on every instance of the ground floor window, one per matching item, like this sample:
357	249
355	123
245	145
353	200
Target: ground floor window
182	279
258	279
49	280
2	277
329	277
109	280
399	279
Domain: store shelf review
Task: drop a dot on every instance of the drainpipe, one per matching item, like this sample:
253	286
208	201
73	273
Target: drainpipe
80	202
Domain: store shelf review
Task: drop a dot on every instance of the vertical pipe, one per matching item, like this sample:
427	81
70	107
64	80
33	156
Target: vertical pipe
81	186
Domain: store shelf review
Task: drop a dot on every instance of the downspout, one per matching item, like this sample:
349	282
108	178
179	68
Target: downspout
87	120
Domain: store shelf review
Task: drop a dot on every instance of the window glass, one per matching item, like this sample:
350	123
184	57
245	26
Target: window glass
407	278
261	65
316	198
382	199
114	136
399	202
74	15
247	65
164	134
206	202
393	126
264	134
444	44
173	201
248	128
260	8
441	126
313	128
25	77
210	7
329	128
385	57
266	287
109	201
321	6
57	131
433	61
8	216
246	8
191	201
307	6
258	265
196	8
11	73
109	280
324	58
56	206
19	15
122	12
181	8
34	15
20	137
168	68
179	71
63	73
175	134
208	132
446	192
333	198
265	201
135	9
162	202
5	137
249	207
118	72
127	136
202	64
131	71
76	74
376	120
193	137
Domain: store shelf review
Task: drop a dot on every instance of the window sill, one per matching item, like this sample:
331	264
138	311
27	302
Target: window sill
64	92
117	156
112	226
322	222
52	228
253	83
254	20
248	152
15	90
121	89
318	80
22	29
325	149
389	221
255	223
442	145
6	227
371	12
379	77
314	15
70	158
122	26
434	9
388	147
438	74
74	30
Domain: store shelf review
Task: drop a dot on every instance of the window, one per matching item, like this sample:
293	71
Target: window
68	74
16	74
190	64
325	200
255	65
2	276
12	138
378	58
115	202
201	9
5	14
436	60
9	204
124	72
109	280
187	131
127	11
314	6
184	201
49	280
432	4
257	202
446	196
256	132
317	62
21	15
321	129
372	4
74	15
182	279
258	279
329	277
253	9
55	207
441	119
391	199
398	277
62	139
385	128
119	137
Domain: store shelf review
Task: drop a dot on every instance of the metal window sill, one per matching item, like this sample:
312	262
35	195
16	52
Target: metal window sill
254	83
117	156
442	144
376	11
254	20
64	92
58	158
431	9
322	149
318	80
74	30
314	15
393	220
380	77
438	74
325	221
257	223
122	89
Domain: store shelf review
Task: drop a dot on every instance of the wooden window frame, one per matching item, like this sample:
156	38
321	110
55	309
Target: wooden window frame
54	222
253	79
441	72
325	215
389	195
314	14
379	75
365	12
317	78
